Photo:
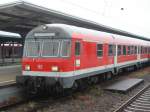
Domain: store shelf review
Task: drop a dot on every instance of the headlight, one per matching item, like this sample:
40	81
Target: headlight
54	68
27	67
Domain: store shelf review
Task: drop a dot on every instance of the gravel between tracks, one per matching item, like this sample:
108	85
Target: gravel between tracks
93	99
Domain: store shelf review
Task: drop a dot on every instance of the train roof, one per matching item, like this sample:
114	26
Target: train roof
67	31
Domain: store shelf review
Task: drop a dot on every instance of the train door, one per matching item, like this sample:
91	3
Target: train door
77	60
110	54
139	54
115	55
114	49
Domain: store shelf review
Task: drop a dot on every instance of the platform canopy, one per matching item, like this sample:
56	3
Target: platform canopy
20	17
10	38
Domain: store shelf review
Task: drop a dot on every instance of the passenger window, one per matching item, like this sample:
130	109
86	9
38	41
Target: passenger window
145	50
132	49
77	48
141	50
129	50
124	50
99	50
135	52
110	51
119	49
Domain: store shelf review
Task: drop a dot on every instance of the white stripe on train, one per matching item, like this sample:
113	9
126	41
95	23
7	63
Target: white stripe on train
77	72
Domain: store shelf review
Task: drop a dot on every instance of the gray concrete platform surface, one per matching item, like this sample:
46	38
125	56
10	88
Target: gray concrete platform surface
124	85
8	73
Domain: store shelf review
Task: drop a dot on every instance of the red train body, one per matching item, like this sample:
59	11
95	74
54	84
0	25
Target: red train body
59	53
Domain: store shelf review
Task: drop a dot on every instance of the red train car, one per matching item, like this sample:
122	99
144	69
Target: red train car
59	54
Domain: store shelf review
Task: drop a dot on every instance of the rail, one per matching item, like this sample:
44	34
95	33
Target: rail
134	103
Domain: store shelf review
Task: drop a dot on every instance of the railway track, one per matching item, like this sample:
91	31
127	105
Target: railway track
10	94
138	103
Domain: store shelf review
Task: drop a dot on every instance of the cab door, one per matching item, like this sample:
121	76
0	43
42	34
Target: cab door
77	53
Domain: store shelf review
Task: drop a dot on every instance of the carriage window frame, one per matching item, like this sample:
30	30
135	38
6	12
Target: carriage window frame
132	50
146	50
142	50
139	49
119	51
135	50
111	51
129	50
77	48
124	50
99	50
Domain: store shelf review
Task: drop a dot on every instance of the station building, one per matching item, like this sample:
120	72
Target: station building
10	49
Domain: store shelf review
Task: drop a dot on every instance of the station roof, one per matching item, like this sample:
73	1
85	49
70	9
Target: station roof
9	36
20	17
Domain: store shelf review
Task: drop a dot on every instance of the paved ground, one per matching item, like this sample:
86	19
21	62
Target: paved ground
9	73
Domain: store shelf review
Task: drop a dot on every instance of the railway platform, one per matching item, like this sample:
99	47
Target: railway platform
124	85
9	92
8	74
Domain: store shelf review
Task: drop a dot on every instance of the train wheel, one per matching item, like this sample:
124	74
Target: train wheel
93	80
75	86
82	84
135	68
108	76
58	90
31	88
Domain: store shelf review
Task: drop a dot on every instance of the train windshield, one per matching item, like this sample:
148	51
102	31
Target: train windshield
32	48
47	48
51	48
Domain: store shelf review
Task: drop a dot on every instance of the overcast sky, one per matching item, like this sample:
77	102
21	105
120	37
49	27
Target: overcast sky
134	16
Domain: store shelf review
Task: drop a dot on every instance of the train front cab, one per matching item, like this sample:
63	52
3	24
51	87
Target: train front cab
48	62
